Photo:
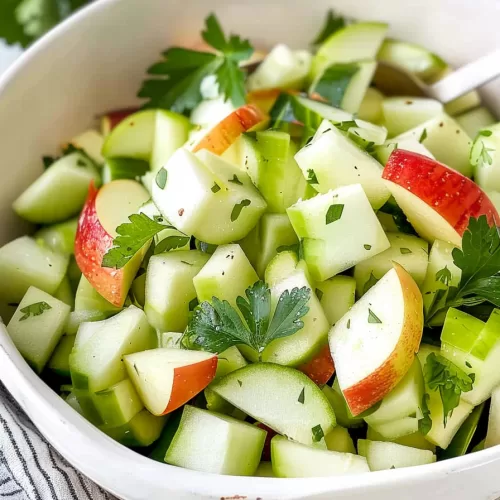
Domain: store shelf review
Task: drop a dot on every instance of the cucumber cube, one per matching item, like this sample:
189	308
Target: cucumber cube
64	293
207	197
60	192
169	288
88	299
414	440
76	318
229	360
59	362
59	237
338	229
406	249
475	120
340	440
291	459
37	326
332	160
24	263
211	442
336	296
220	405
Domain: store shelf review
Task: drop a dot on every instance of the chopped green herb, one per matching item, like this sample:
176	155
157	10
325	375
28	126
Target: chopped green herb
468	365
186	262
240	383
335	81
334	213
36	309
485	133
425	423
235	213
405	251
193	303
371	281
235	180
349	324
161	178
372	317
215	188
171	243
423	136
367	247
319	293
444	276
311	177
485	154
302	396
317	433
48	161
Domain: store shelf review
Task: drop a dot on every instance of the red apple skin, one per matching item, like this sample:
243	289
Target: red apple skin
455	197
320	368
189	381
266	451
110	120
373	388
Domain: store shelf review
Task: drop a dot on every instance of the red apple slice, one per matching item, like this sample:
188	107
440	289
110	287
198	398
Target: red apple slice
168	378
374	344
321	368
110	120
104	211
230	128
437	200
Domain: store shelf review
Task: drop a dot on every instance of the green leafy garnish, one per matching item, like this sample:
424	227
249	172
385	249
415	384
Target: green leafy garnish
235	180
177	79
193	303
161	178
444	276
171	243
485	133
372	317
311	177
317	433
216	326
405	251
367	247
302	396
425	423
334	213
423	136
215	188
35	309
235	213
485	154
444	376
334	82
332	24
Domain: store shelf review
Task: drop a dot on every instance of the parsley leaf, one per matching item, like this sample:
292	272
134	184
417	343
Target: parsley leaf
236	211
132	236
235	180
334	82
318	433
311	177
371	281
216	326
302	396
425	423
332	24
171	243
405	251
444	276
444	376
177	79
334	213
36	309
423	136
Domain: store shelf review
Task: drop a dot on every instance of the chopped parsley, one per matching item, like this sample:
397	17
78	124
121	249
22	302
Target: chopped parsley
235	213
334	213
36	309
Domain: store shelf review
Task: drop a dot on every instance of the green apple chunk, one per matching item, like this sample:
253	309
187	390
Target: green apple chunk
339	405
282	398
336	296
340	440
212	442
226	275
228	361
59	237
332	160
169	288
96	361
384	455
414	440
118	404
60	192
59	362
24	263
37	326
291	459
437	134
406	249
338	230
76	318
383	152
88	299
371	105
203	195
220	405
475	120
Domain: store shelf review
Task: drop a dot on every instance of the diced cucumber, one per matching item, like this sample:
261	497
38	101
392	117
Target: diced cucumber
404	113
493	434
273	232
60	192
437	134
354	42
64	293
485	157
211	442
366	134
291	459
96	364
88	299
220	405
86	402
171	340
229	360
415	440
371	106
336	296
281	266
138	290
406	249
384	455
282	68
402	403
340	440
59	362
59	237
343	215
91	141
339	405
272	394
440	434
410	144
166	437
332	160
170	133
37	326
123	168
133	137
170	289
226	275
143	430
76	318
118	404
86	331
312	112
201	196
411	57
476	119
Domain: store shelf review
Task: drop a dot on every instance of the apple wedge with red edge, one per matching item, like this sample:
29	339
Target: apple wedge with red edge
168	378
104	210
320	368
437	200
374	344
226	132
110	120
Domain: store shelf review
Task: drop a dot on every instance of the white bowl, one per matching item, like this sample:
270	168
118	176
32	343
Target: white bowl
95	62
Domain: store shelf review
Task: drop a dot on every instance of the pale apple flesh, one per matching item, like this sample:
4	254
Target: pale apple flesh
167	378
437	200
104	211
320	368
374	344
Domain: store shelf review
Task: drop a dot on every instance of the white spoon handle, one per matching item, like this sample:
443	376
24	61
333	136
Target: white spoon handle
467	78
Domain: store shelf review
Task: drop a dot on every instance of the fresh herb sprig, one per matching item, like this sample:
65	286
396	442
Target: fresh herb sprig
177	79
36	309
216	326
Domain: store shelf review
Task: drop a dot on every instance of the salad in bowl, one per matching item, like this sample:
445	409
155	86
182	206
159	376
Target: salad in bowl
271	268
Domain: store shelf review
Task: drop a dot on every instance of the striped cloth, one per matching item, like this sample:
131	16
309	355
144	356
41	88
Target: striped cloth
30	469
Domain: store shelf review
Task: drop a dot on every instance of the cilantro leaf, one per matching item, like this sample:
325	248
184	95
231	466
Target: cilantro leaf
318	433
425	423
444	276
36	309
216	326
132	236
311	177
444	376
334	82
332	24
423	136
